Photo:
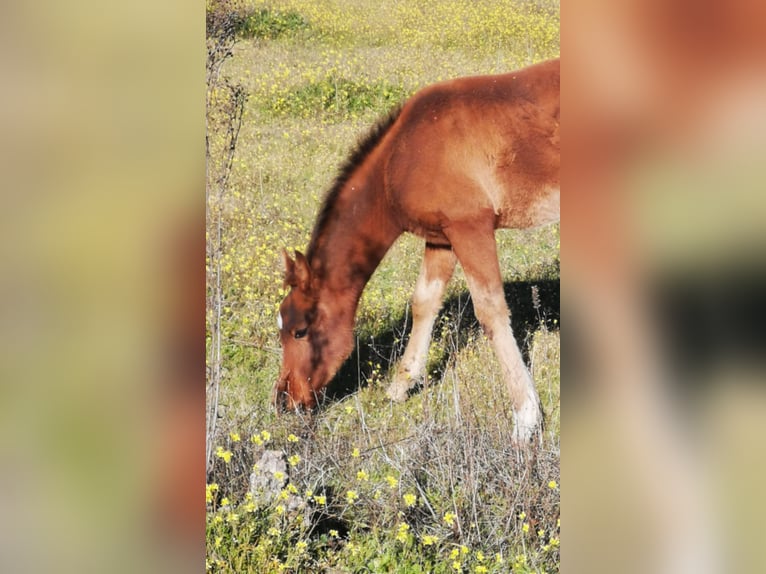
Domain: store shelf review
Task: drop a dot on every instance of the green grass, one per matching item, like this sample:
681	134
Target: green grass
270	24
318	74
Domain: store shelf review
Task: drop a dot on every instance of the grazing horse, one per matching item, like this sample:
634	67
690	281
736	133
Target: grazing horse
457	161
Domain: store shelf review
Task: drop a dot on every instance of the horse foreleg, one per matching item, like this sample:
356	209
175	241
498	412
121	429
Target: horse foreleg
438	266
476	250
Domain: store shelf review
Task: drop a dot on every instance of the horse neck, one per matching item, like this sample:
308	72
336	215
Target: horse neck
356	235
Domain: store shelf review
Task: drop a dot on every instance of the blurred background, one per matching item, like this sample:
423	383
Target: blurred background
663	276
102	285
101	343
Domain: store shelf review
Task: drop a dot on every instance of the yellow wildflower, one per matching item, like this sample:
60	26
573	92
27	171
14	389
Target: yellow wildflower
223	454
292	438
410	499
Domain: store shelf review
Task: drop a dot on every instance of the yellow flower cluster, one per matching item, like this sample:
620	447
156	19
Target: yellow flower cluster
223	454
261	438
403	532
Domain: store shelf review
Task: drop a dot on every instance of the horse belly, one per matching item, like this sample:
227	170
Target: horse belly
535	210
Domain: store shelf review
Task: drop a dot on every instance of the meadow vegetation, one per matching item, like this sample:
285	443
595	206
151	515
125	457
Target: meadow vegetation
432	485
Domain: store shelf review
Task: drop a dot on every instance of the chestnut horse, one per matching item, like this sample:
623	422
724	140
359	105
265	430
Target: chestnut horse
457	161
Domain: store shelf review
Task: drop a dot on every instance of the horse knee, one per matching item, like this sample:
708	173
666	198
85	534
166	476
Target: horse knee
426	300
492	315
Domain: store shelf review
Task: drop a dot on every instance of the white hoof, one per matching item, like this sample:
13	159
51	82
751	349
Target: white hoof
397	392
527	423
401	385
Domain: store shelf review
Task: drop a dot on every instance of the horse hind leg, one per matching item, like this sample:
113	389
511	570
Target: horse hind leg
476	250
438	266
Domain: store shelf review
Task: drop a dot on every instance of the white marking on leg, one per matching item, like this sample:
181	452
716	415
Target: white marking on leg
426	304
279	321
476	249
525	402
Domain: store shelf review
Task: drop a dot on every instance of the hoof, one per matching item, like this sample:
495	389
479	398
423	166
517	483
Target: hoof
528	427
526	437
397	392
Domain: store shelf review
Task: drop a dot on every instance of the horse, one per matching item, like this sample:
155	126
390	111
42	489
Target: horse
455	162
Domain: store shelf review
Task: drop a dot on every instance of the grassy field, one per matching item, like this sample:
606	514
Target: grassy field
431	485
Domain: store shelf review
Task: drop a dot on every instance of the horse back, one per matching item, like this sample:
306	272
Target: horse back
484	147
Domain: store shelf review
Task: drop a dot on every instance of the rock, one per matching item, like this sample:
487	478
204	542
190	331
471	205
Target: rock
269	478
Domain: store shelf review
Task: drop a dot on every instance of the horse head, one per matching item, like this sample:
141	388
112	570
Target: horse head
303	336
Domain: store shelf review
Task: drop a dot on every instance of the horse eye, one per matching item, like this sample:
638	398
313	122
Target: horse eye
300	333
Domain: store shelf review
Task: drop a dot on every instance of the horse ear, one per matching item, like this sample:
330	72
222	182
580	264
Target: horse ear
302	272
290	278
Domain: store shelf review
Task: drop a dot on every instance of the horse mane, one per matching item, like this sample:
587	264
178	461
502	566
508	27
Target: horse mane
363	148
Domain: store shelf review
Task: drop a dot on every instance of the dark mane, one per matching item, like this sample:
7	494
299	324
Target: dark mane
363	148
